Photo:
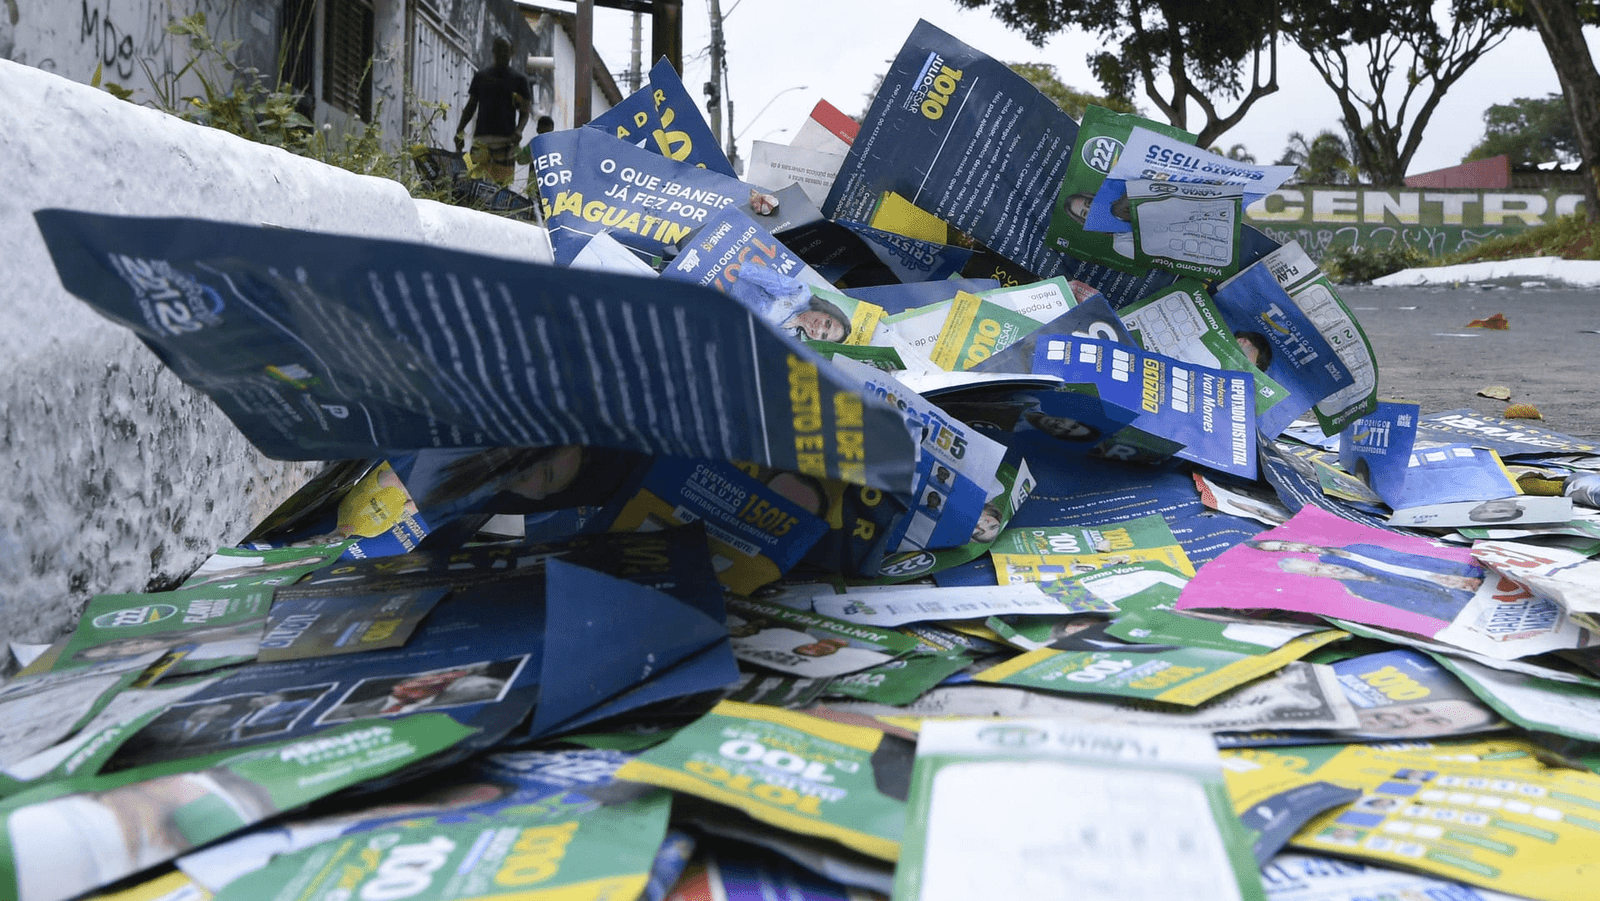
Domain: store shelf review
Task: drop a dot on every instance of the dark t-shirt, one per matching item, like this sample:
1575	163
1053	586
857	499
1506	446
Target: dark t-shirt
497	111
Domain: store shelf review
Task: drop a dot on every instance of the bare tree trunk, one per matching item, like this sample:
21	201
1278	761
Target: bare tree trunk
1562	32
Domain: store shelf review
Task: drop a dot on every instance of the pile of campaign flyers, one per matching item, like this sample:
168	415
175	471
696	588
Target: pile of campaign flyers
965	503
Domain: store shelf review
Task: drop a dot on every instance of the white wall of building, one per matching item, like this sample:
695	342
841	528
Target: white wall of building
128	39
424	52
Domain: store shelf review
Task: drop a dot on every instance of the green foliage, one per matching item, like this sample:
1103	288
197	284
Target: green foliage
1043	76
1570	237
1350	266
1181	55
1324	160
112	88
1238	153
1530	130
235	99
239	100
1390	63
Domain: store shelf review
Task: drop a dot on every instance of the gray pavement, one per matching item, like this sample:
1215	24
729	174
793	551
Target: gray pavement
1549	357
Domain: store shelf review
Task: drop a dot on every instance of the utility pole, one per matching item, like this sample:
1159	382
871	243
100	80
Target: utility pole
666	32
714	86
583	66
635	67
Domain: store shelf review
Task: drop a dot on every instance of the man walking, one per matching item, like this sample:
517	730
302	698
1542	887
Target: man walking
499	98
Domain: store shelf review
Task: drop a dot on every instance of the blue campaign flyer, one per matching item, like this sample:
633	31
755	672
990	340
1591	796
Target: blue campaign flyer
1382	449
1377	447
731	243
1507	437
476	659
960	135
329	347
956	472
735	255
1211	412
1091	318
592	182
322	623
758	530
663	118
1307	341
1402	694
900	298
912	260
485	658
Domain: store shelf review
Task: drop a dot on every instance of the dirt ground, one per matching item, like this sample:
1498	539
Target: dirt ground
1548	357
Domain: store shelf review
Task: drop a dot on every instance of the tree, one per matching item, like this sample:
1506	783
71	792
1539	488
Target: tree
1560	26
1180	51
1324	160
1529	130
1405	63
1238	153
872	96
1073	101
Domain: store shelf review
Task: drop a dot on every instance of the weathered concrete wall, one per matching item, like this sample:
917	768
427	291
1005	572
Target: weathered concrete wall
128	39
114	477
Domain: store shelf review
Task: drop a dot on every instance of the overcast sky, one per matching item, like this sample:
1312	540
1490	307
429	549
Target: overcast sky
834	49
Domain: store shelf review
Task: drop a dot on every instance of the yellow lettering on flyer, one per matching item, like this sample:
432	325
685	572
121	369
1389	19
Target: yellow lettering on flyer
849	442
864	323
763	515
944	85
671	232
958	327
1151	396
805	403
1118	539
380	630
1395	685
536	855
983	343
1163	678
350	876
567	202
675	145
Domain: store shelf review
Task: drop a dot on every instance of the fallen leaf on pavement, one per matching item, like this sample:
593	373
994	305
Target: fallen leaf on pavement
1523	411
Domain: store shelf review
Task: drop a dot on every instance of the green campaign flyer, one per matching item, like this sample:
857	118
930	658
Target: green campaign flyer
798	772
1175	675
517	855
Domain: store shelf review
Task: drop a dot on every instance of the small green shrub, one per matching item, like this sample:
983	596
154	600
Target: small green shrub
239	101
1352	266
1570	237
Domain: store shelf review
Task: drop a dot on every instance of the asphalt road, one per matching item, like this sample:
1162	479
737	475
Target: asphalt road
1549	356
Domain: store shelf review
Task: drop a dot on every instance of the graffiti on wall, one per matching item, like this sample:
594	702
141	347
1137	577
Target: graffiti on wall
1435	222
126	40
128	43
1435	241
115	47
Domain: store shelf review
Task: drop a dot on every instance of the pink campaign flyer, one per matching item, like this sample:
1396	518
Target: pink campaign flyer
1321	564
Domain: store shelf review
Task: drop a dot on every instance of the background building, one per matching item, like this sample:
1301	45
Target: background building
405	64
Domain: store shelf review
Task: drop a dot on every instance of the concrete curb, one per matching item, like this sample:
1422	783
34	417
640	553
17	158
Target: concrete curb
1552	270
